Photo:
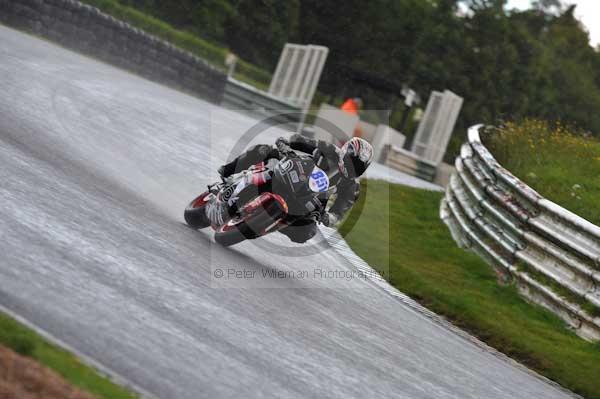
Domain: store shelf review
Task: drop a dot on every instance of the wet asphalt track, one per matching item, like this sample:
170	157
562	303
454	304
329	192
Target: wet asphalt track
96	166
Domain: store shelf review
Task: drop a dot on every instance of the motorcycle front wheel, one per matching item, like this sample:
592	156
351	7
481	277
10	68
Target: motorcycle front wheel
195	215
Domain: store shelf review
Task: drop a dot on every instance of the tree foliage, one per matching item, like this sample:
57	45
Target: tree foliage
507	64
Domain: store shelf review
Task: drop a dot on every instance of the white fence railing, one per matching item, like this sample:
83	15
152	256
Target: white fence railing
551	253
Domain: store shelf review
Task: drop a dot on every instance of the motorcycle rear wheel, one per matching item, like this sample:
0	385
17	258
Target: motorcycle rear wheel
252	226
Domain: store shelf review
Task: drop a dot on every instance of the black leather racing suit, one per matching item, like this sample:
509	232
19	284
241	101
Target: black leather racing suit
347	189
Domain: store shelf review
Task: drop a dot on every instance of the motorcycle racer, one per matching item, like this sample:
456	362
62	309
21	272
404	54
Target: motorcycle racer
343	166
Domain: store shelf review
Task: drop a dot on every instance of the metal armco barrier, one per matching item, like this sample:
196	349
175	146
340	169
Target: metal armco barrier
242	96
551	253
407	162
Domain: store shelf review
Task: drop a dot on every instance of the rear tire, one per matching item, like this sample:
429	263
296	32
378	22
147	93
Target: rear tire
195	215
229	234
253	226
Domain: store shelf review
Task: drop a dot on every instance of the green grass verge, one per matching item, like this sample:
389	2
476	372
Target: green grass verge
27	343
204	49
556	161
414	251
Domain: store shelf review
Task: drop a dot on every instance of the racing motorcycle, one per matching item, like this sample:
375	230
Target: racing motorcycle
265	198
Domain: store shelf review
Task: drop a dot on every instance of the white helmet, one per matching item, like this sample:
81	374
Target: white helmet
355	157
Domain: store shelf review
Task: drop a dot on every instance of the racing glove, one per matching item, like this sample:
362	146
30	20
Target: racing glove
330	219
283	145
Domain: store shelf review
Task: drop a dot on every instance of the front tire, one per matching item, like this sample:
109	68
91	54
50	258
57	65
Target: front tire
194	214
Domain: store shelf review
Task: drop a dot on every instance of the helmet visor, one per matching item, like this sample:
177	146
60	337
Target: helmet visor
354	166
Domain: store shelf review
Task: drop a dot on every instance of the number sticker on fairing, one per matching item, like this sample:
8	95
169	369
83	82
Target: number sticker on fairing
318	181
